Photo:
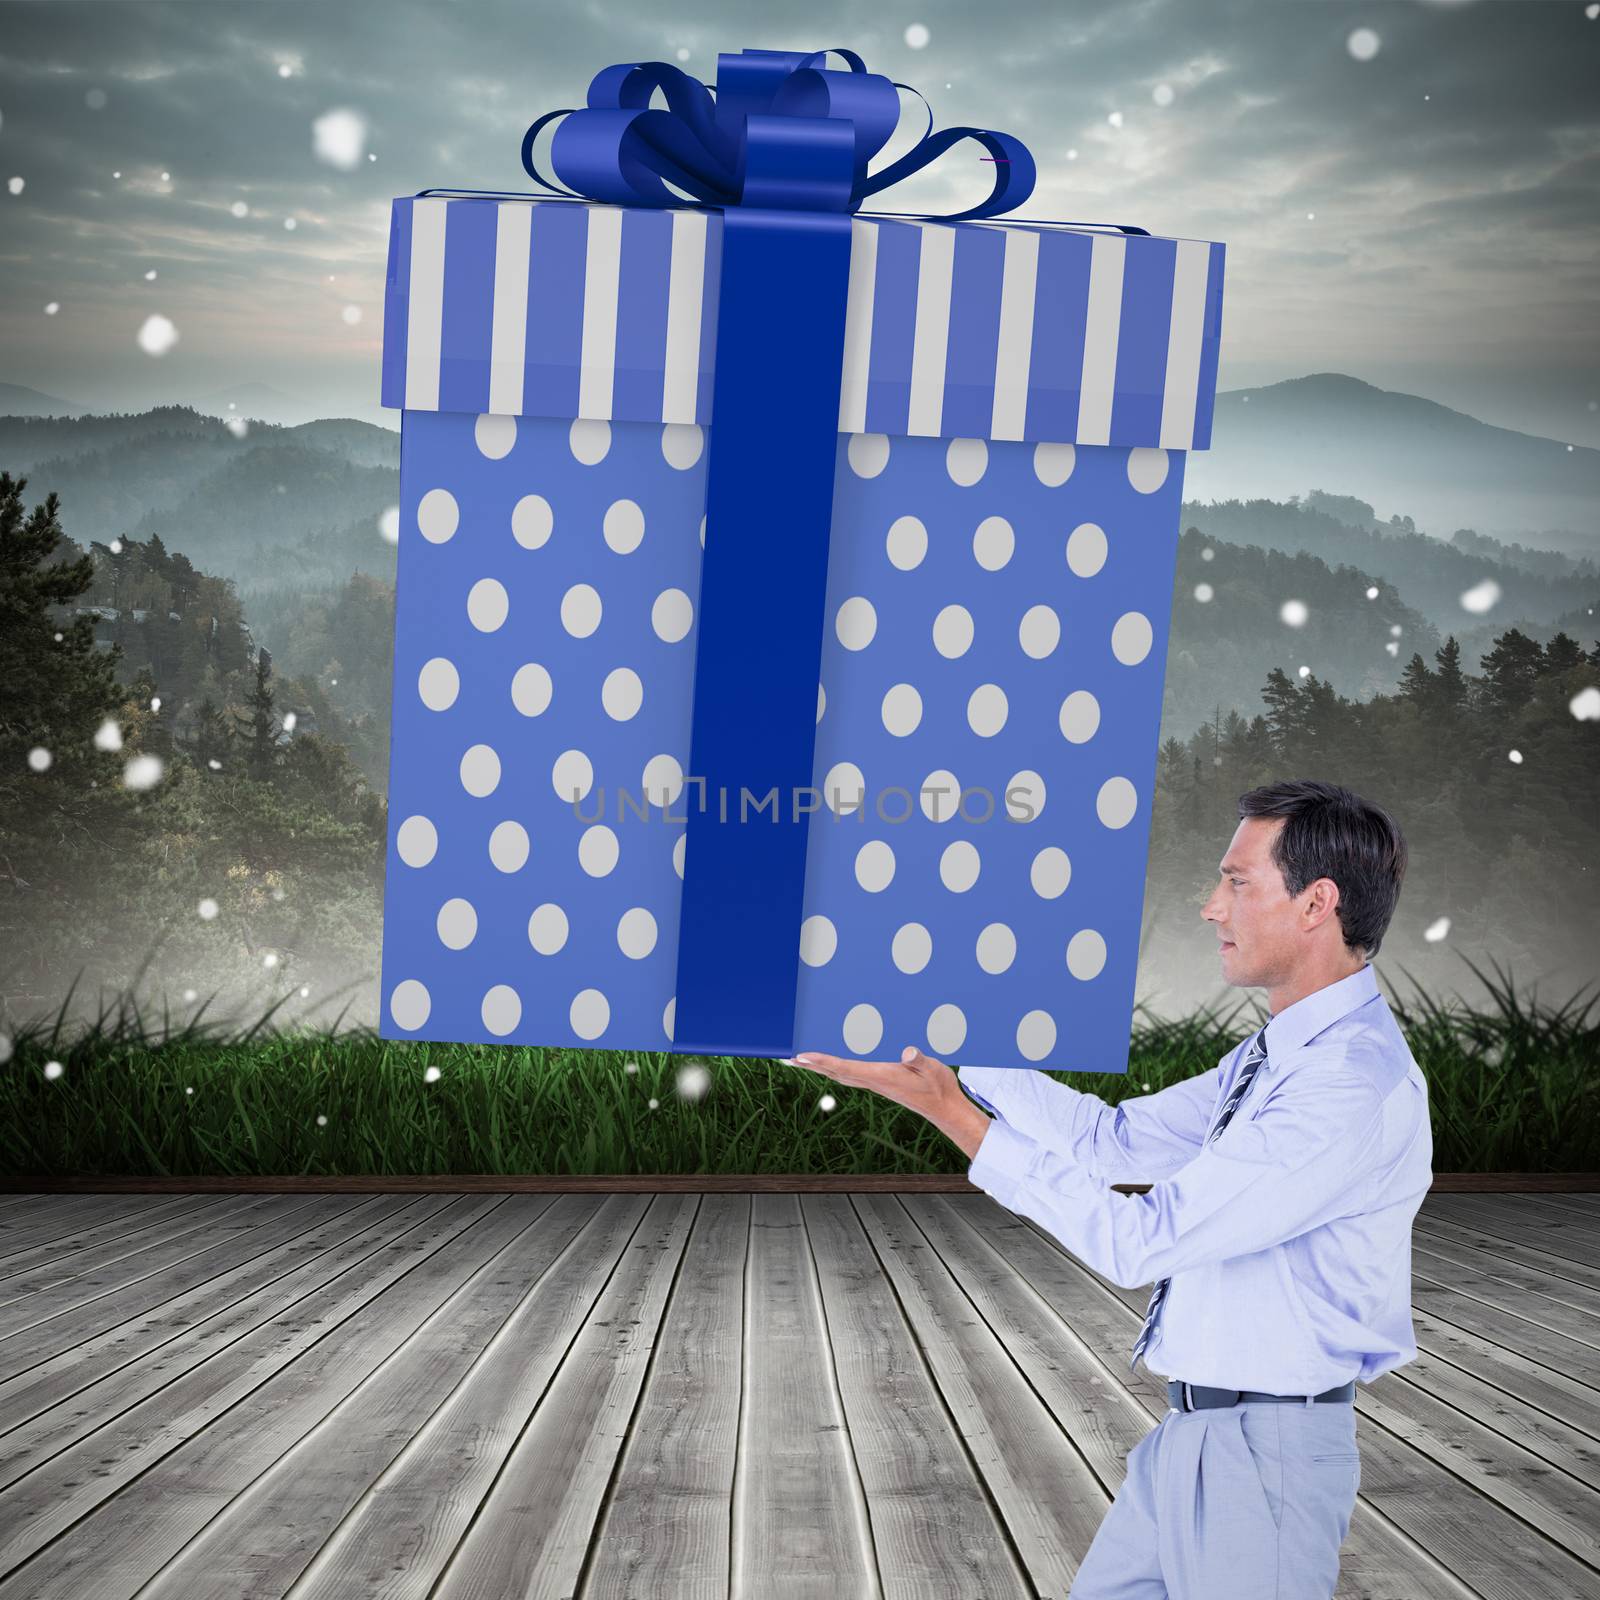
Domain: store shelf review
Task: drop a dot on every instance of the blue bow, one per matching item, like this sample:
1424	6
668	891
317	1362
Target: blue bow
782	132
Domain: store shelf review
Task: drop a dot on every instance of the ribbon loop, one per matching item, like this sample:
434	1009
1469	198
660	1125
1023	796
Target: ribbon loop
782	131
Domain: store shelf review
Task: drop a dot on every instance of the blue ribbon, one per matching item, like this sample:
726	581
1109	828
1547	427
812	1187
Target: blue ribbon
781	148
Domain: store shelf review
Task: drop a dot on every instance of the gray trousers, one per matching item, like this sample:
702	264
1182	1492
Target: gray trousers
1245	1502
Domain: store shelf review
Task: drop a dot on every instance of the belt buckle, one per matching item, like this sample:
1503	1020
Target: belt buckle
1188	1396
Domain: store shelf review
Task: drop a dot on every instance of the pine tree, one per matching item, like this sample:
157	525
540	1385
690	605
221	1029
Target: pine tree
213	737
1451	683
59	685
1562	653
1510	668
257	730
1417	684
1283	713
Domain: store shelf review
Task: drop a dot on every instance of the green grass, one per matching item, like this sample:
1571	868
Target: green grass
1514	1089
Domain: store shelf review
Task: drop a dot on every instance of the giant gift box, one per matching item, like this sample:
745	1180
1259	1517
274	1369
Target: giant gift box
783	589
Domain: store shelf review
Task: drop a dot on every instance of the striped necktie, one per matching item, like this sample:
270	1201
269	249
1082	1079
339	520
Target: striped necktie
1253	1063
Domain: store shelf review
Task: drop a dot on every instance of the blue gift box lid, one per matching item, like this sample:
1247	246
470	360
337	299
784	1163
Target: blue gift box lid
995	329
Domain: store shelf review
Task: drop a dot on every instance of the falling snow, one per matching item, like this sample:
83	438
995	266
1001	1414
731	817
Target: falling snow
53	307
149	277
143	772
53	1069
1481	596
239	209
1294	612
917	36
351	314
339	137
290	224
1514	756
1363	44
826	1103
208	910
108	736
1208	554
693	1080
1162	94
38	758
1202	592
1437	930
14	185
5	1048
157	335
389	524
237	426
289	720
431	1075
1372	593
1585	705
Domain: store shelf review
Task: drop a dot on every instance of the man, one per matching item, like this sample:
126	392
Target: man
1277	1221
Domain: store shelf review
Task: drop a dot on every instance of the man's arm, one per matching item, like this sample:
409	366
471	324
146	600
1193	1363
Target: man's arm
1264	1179
1146	1136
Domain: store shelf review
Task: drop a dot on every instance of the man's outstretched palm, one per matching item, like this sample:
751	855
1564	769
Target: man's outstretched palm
916	1081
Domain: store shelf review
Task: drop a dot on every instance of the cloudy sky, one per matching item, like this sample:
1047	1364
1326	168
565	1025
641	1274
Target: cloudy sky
1409	190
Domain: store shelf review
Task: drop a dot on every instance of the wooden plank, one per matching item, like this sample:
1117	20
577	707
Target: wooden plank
1492	1215
1491	1248
1563	1219
933	1527
36	1297
420	1336
418	1446
1587	1205
155	1211
1556	1438
89	1310
107	1375
346	1468
55	1264
1541	1310
1484	1545
1552	1350
1565	1510
532	1444
666	1526
1443	1259
1046	1496
59	1216
52	1548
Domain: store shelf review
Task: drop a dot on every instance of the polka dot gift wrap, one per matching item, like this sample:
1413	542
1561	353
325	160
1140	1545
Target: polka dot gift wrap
1013	426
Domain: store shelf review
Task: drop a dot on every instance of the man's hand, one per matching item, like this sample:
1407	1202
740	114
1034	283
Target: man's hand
915	1081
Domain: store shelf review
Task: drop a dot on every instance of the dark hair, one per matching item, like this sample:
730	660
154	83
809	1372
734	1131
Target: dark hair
1328	832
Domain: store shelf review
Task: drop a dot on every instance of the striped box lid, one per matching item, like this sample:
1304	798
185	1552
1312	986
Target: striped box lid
999	330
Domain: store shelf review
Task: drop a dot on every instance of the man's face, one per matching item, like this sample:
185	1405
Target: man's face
1251	910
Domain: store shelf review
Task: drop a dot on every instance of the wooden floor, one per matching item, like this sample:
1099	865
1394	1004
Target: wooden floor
695	1395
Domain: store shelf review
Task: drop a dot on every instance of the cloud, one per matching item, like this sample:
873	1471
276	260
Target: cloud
1428	211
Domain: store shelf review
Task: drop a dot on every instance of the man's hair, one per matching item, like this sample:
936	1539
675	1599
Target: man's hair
1328	832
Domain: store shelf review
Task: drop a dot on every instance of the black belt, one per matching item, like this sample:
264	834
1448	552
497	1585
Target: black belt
1201	1397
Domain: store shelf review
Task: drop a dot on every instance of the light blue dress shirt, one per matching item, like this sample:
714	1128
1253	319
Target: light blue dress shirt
1287	1238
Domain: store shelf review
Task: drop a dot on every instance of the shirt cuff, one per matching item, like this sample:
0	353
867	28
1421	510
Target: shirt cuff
1001	1164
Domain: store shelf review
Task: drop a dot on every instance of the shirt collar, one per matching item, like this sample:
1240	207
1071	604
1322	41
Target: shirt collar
1290	1028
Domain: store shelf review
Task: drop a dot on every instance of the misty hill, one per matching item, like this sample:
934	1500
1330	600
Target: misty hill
17	400
1404	454
254	505
1431	574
